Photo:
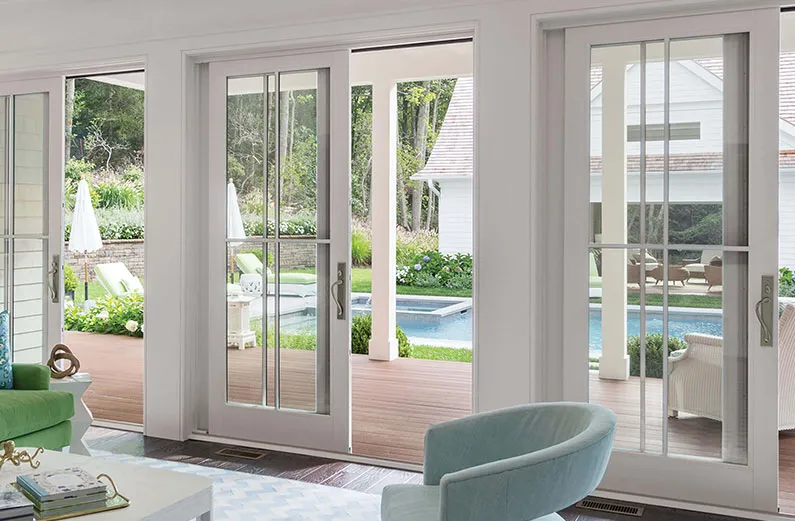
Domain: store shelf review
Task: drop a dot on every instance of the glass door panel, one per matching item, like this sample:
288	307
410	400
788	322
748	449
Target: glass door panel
29	183
283	339
671	274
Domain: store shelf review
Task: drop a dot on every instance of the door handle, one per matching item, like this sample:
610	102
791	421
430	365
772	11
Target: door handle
55	279
339	286
764	311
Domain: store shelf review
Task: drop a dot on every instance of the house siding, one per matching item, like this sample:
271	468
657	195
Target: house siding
455	216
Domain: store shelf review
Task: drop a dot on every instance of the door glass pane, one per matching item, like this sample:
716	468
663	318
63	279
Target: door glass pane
669	324
301	154
300	325
30	169
29	300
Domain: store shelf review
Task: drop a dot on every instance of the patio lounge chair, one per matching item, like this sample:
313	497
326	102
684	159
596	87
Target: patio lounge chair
117	279
295	284
697	266
525	462
696	375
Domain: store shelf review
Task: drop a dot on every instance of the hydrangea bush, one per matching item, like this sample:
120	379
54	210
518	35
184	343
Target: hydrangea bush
434	269
110	315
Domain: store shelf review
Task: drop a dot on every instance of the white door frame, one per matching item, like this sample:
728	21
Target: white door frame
330	431
53	203
752	487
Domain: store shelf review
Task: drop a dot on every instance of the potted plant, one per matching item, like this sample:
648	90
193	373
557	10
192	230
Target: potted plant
70	281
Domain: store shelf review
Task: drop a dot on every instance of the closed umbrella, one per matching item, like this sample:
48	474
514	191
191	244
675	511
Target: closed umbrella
84	236
234	221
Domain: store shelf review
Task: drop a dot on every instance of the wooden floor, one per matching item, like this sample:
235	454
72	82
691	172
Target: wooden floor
393	402
352	476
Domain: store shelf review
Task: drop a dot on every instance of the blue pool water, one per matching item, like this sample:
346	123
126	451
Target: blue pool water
679	324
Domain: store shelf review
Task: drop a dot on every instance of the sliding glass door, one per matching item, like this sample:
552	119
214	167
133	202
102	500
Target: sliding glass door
31	236
279	148
671	238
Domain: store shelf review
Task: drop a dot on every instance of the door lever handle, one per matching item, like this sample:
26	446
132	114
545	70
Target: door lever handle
55	279
339	286
764	311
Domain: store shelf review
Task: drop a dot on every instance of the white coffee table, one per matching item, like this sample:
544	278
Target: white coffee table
154	494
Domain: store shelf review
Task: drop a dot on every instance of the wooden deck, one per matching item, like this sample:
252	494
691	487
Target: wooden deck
394	402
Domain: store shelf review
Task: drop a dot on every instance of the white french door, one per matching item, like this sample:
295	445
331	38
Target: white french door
31	231
671	225
280	250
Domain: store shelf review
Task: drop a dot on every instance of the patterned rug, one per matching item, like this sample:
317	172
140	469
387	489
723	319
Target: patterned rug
238	496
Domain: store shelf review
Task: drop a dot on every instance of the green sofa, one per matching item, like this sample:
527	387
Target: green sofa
31	414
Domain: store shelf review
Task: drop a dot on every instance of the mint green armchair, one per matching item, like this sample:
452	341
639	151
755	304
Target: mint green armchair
31	414
517	464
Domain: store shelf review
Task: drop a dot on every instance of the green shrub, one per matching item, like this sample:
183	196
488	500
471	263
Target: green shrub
119	194
298	340
70	282
786	283
449	271
116	223
654	354
300	225
409	245
133	174
110	315
362	332
77	168
361	248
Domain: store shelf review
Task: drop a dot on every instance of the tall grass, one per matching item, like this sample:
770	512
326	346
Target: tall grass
361	247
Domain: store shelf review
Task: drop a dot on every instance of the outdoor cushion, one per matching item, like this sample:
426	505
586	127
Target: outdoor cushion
248	263
6	371
295	278
24	412
117	279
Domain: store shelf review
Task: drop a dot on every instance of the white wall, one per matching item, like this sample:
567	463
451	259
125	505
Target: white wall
52	36
455	216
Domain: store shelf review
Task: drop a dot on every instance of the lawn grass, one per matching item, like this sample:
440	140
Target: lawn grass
681	301
362	282
449	354
95	290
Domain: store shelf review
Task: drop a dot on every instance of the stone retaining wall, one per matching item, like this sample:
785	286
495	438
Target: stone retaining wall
131	253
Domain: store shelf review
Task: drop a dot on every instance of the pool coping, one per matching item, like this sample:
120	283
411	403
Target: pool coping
458	305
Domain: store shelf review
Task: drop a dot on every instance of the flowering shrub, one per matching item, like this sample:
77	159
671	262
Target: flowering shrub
110	315
434	269
116	223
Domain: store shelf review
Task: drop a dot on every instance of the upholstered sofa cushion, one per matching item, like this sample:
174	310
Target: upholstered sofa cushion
25	412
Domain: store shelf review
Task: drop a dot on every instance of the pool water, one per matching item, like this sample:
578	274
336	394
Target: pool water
679	324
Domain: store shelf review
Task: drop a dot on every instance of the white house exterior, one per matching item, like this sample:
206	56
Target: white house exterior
450	165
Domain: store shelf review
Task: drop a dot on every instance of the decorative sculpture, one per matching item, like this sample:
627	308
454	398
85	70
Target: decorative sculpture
19	457
62	352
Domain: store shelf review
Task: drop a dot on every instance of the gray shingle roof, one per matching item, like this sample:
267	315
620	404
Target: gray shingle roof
452	153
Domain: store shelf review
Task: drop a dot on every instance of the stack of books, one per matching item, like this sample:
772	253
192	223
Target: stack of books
14	506
63	493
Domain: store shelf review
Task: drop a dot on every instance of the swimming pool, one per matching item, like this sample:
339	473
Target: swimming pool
680	323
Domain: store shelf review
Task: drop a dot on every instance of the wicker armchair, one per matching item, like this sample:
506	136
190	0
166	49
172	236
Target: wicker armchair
675	274
695	375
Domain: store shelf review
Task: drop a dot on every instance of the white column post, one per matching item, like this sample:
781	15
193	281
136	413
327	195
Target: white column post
614	363
383	344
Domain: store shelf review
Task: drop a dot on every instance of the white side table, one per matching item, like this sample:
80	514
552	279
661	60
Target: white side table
81	421
239	331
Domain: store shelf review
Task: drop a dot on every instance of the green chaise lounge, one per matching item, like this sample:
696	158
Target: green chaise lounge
298	284
33	416
117	279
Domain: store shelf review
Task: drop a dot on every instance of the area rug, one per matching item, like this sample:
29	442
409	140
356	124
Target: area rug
238	496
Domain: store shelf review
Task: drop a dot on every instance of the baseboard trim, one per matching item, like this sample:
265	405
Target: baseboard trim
351	458
693	507
120	426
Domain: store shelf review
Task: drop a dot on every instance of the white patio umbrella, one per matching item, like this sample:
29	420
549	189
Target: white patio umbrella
234	221
84	236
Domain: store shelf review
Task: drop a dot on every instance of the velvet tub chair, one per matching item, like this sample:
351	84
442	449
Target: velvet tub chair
517	464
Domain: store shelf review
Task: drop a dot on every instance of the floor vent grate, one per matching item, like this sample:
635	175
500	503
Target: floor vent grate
601	505
237	452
